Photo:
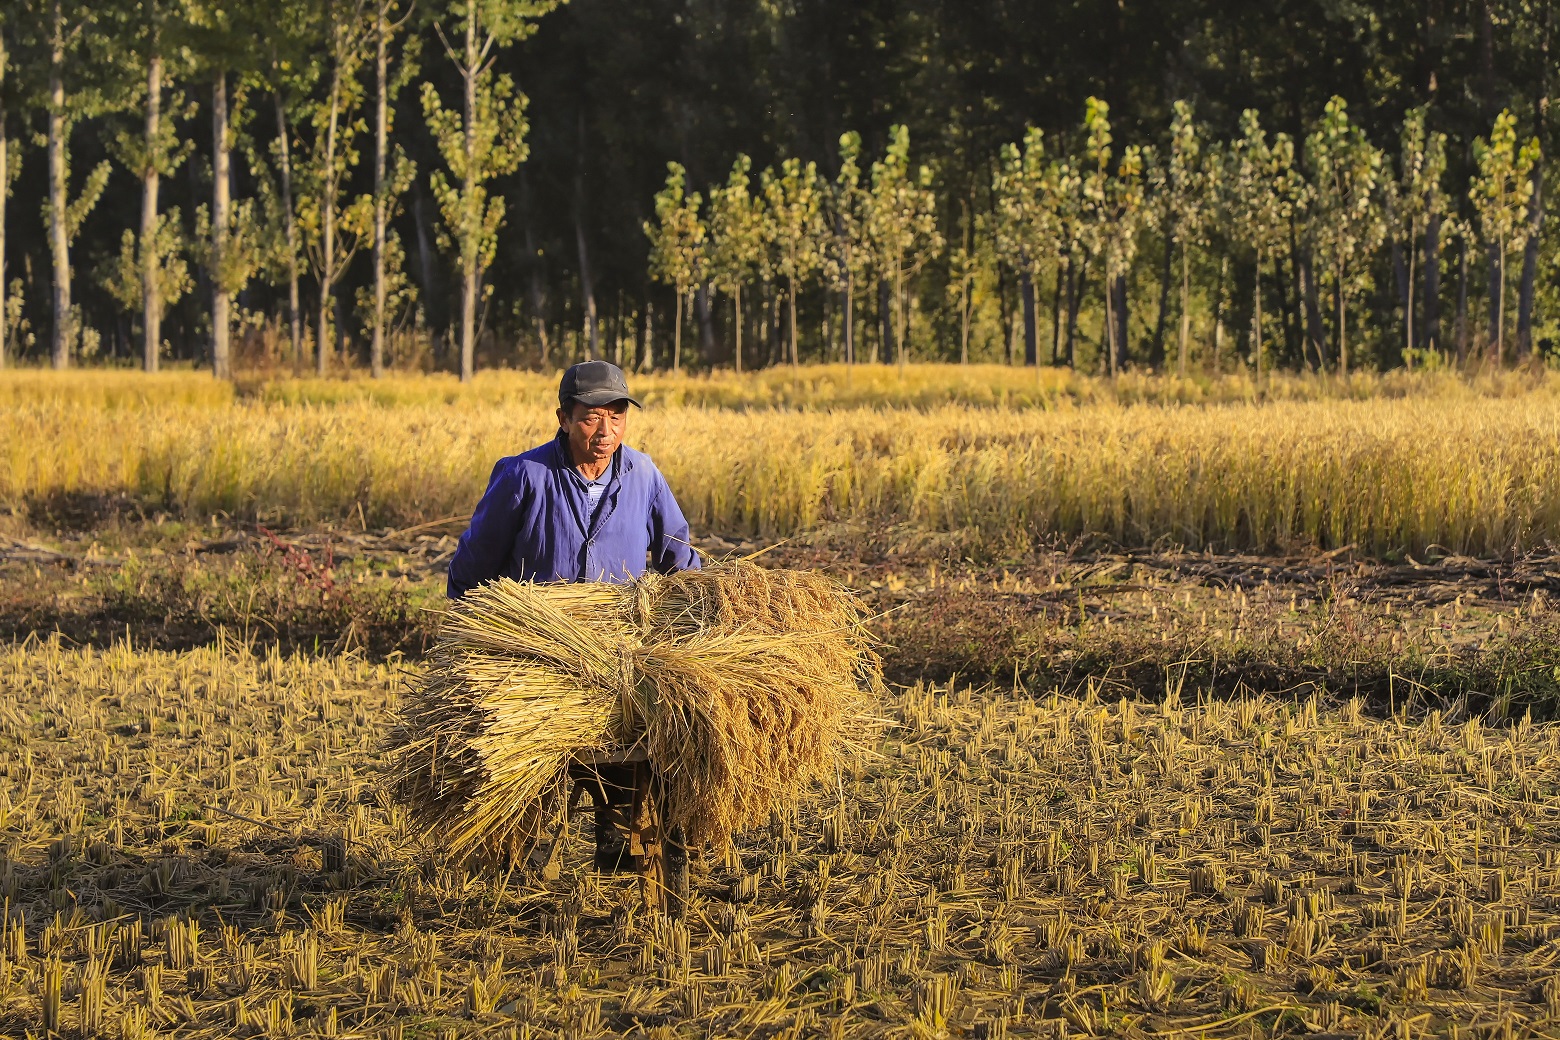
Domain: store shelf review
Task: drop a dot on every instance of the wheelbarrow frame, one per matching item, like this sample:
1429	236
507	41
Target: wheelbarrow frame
660	851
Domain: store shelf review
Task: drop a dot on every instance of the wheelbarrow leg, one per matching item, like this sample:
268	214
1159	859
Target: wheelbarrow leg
674	853
663	854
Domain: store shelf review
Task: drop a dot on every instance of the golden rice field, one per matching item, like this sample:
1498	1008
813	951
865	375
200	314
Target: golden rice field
197	845
1418	464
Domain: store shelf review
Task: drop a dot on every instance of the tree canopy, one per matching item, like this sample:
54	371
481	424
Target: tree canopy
1391	211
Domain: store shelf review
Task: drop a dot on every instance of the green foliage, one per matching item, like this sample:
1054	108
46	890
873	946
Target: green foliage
736	230
241	255
400	292
677	239
901	222
488	139
1026	204
847	256
1182	184
794	224
1347	222
166	250
1503	187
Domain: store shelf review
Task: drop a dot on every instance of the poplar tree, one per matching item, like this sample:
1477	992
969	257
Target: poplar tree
1346	225
332	231
677	246
1025	220
59	28
393	173
1416	198
736	233
10	166
482	140
223	38
1181	187
1113	207
847	259
963	267
795	227
154	255
1501	192
901	223
1264	194
290	78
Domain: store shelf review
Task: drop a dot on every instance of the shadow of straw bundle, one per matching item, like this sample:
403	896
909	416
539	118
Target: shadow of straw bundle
743	685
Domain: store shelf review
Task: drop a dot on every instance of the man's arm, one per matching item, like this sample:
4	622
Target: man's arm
669	548
487	544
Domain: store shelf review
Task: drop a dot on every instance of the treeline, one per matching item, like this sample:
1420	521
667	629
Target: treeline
1319	231
372	183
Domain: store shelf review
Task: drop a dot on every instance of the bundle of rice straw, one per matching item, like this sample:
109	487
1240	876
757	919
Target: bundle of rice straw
742	684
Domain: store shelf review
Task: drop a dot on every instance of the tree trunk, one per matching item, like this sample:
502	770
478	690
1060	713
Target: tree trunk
5	182
1156	350
701	302
1500	312
647	353
1078	280
677	335
471	274
790	299
902	307
964	321
1496	257
290	233
1186	310
1400	281
1343	328
324	340
1026	292
376	350
1218	314
620	319
1289	302
536	282
427	272
221	365
151	268
1430	327
885	322
736	314
1107	328
1462	300
1256	317
1056	314
1525	288
1123	314
59	234
1311	294
849	320
1411	338
1005	314
591	331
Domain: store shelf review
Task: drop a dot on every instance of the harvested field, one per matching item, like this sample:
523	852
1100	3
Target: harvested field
1005	863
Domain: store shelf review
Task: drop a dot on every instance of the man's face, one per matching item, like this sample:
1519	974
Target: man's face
594	433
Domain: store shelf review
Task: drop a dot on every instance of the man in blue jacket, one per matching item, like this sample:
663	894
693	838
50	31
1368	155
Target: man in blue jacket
582	507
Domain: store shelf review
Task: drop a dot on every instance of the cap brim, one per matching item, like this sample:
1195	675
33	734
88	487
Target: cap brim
597	398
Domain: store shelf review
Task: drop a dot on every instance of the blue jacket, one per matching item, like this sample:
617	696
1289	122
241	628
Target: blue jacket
534	523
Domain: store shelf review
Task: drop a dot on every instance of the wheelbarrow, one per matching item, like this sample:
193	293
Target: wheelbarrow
632	800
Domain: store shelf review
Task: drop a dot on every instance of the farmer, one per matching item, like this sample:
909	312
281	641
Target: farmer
582	507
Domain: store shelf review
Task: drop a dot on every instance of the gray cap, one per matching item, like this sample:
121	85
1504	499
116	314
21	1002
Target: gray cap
593	384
